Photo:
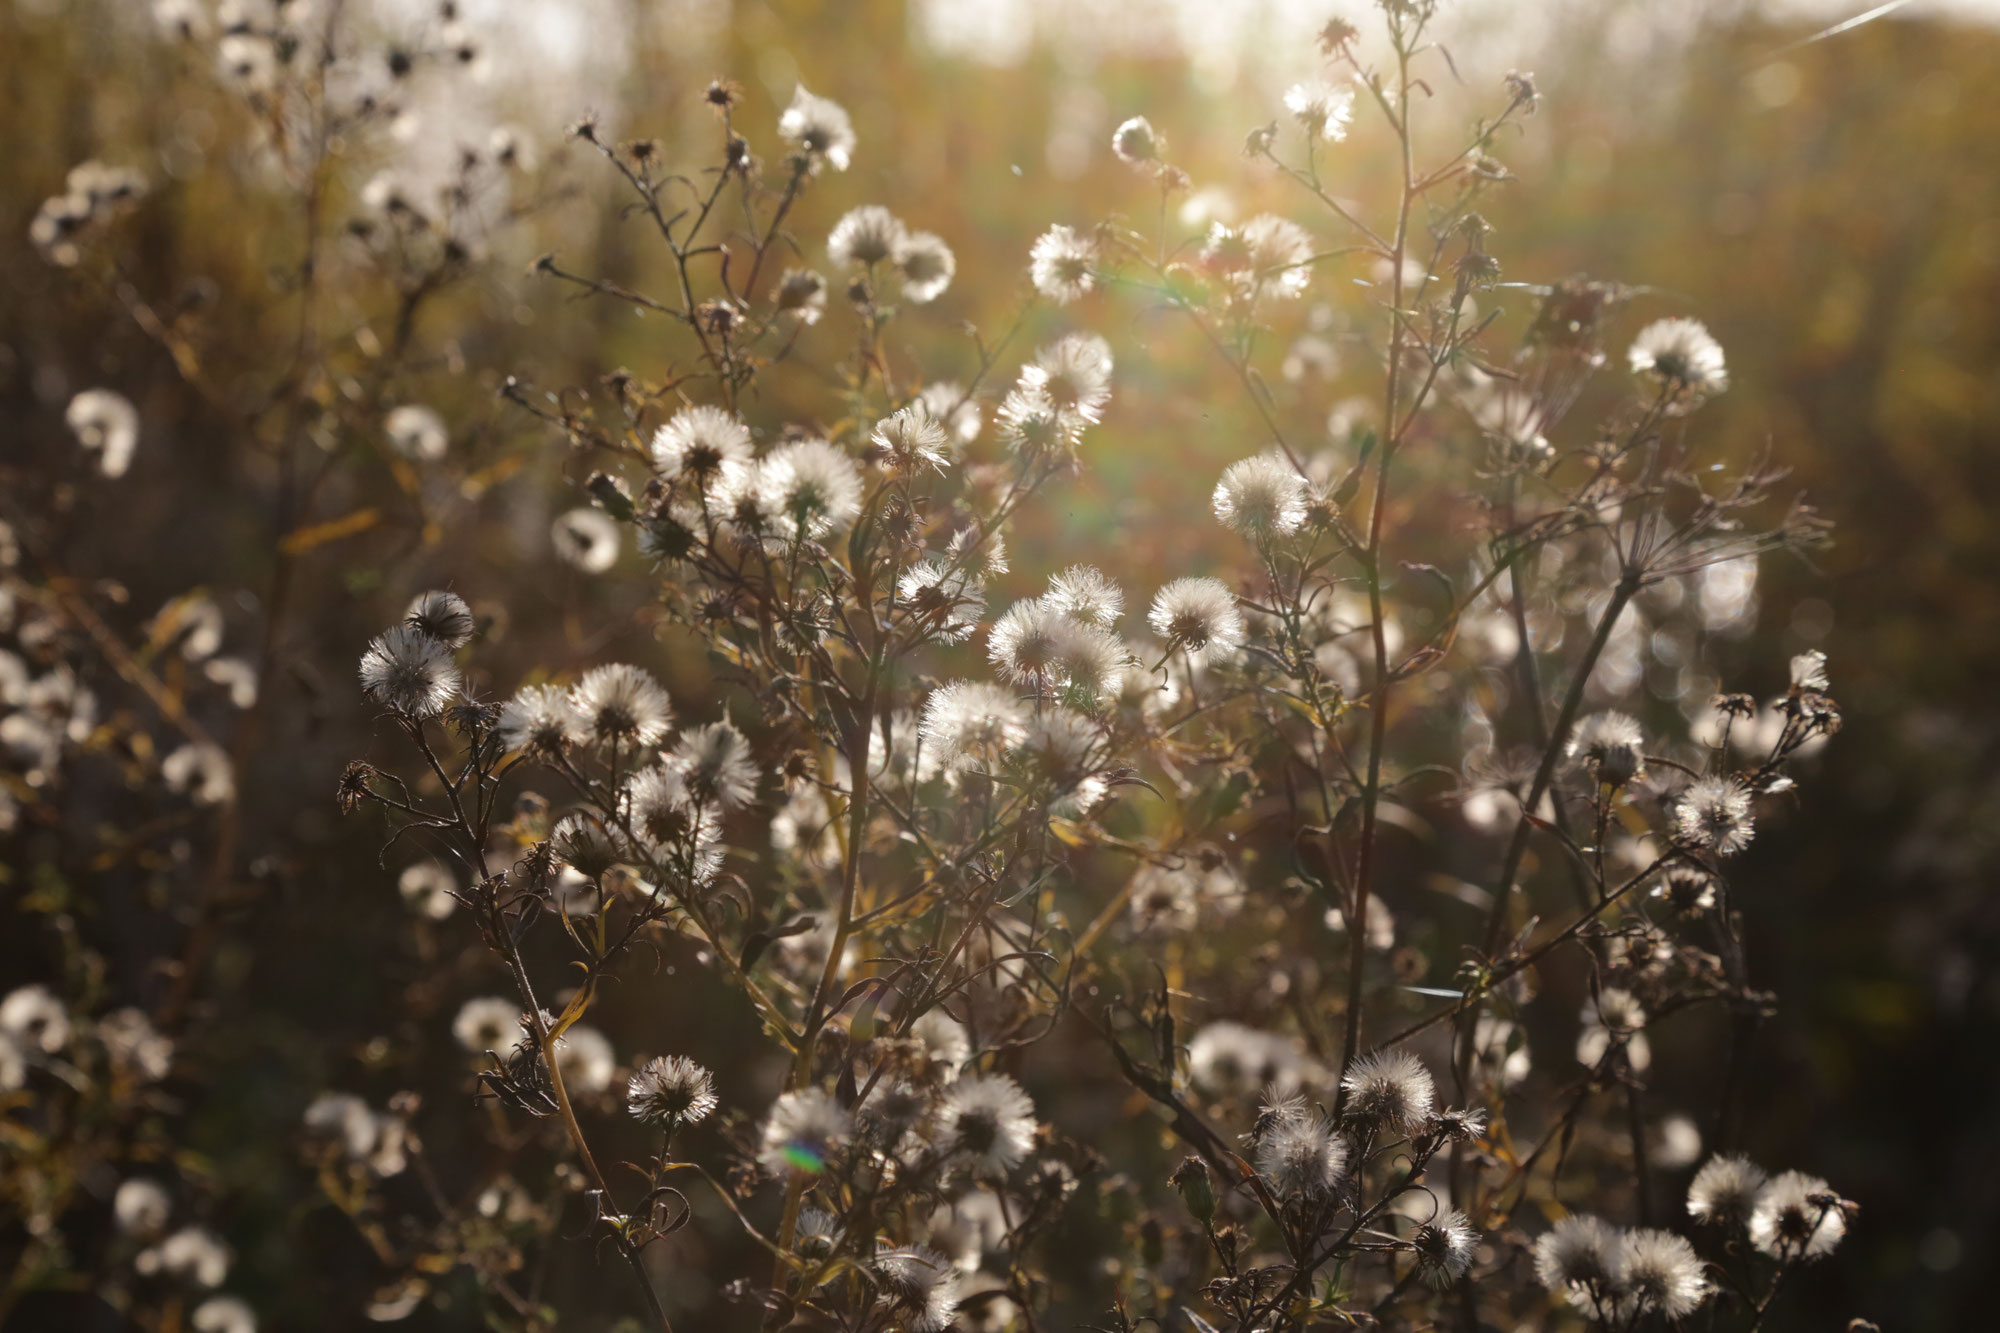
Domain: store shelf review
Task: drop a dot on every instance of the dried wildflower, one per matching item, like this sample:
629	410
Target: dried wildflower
416	432
586	539
1381	925
105	424
1659	1272
1260	498
409	672
698	442
1714	813
1725	1191
920	1285
1299	1152
1075	373
1136	142
987	1122
945	1043
141	1207
1336	35
428	888
1390	1090
1031	423
586	1058
1578	1259
670	1090
201	771
1611	746
1063	753
1613	1018
816	1233
1228	1057
1027	642
442	615
909	440
542	720
223	1314
971	724
803	1131
945	599
1197	616
621	705
865	236
952	408
34	1017
1322	110
1689	890
1082	592
716	761
927	266
195	1254
1444	1249
814	486
664	810
1685	360
821	128
1809	671
801	295
1797	1216
487	1023
135	1046
1062	264
745	509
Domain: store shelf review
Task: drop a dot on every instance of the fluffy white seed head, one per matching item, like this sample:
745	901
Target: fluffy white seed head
1725	1190
621	705
106	425
442	615
1198	616
427	888
986	1122
409	672
542	720
698	442
670	1090
417	432
1260	497
1444	1248
821	128
1715	814
972	724
1137	143
1391	1090
1683	358
585	539
910	440
1611	746
716	761
803	1131
1083	592
1614	1019
1299	1151
1322	110
1062	264
1659	1273
920	1286
927	266
1578	1259
1797	1217
864	237
813	487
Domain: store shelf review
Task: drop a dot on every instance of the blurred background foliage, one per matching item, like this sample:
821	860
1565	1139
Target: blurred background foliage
1831	211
